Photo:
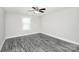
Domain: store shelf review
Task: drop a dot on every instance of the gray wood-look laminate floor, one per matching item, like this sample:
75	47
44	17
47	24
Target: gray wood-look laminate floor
38	43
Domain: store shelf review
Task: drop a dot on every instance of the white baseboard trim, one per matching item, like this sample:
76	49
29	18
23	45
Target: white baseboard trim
1	44
20	35
46	34
62	39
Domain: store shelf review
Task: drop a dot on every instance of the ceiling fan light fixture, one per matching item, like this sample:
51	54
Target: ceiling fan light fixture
36	12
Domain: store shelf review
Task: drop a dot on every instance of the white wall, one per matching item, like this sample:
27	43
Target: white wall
14	25
63	24
2	30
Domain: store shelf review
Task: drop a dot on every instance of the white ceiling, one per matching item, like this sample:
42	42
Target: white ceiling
24	10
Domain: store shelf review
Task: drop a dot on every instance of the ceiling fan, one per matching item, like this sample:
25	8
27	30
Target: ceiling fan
38	10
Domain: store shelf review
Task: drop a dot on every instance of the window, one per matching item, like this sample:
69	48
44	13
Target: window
26	23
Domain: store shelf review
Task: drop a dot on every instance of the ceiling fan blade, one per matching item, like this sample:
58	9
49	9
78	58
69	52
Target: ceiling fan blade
43	9
34	7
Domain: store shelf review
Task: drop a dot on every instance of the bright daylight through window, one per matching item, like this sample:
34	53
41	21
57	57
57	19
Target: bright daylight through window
26	23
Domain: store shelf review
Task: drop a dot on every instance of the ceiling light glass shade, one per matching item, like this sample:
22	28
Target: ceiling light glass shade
36	12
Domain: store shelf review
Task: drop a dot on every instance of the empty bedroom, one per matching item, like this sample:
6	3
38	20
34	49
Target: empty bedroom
39	29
